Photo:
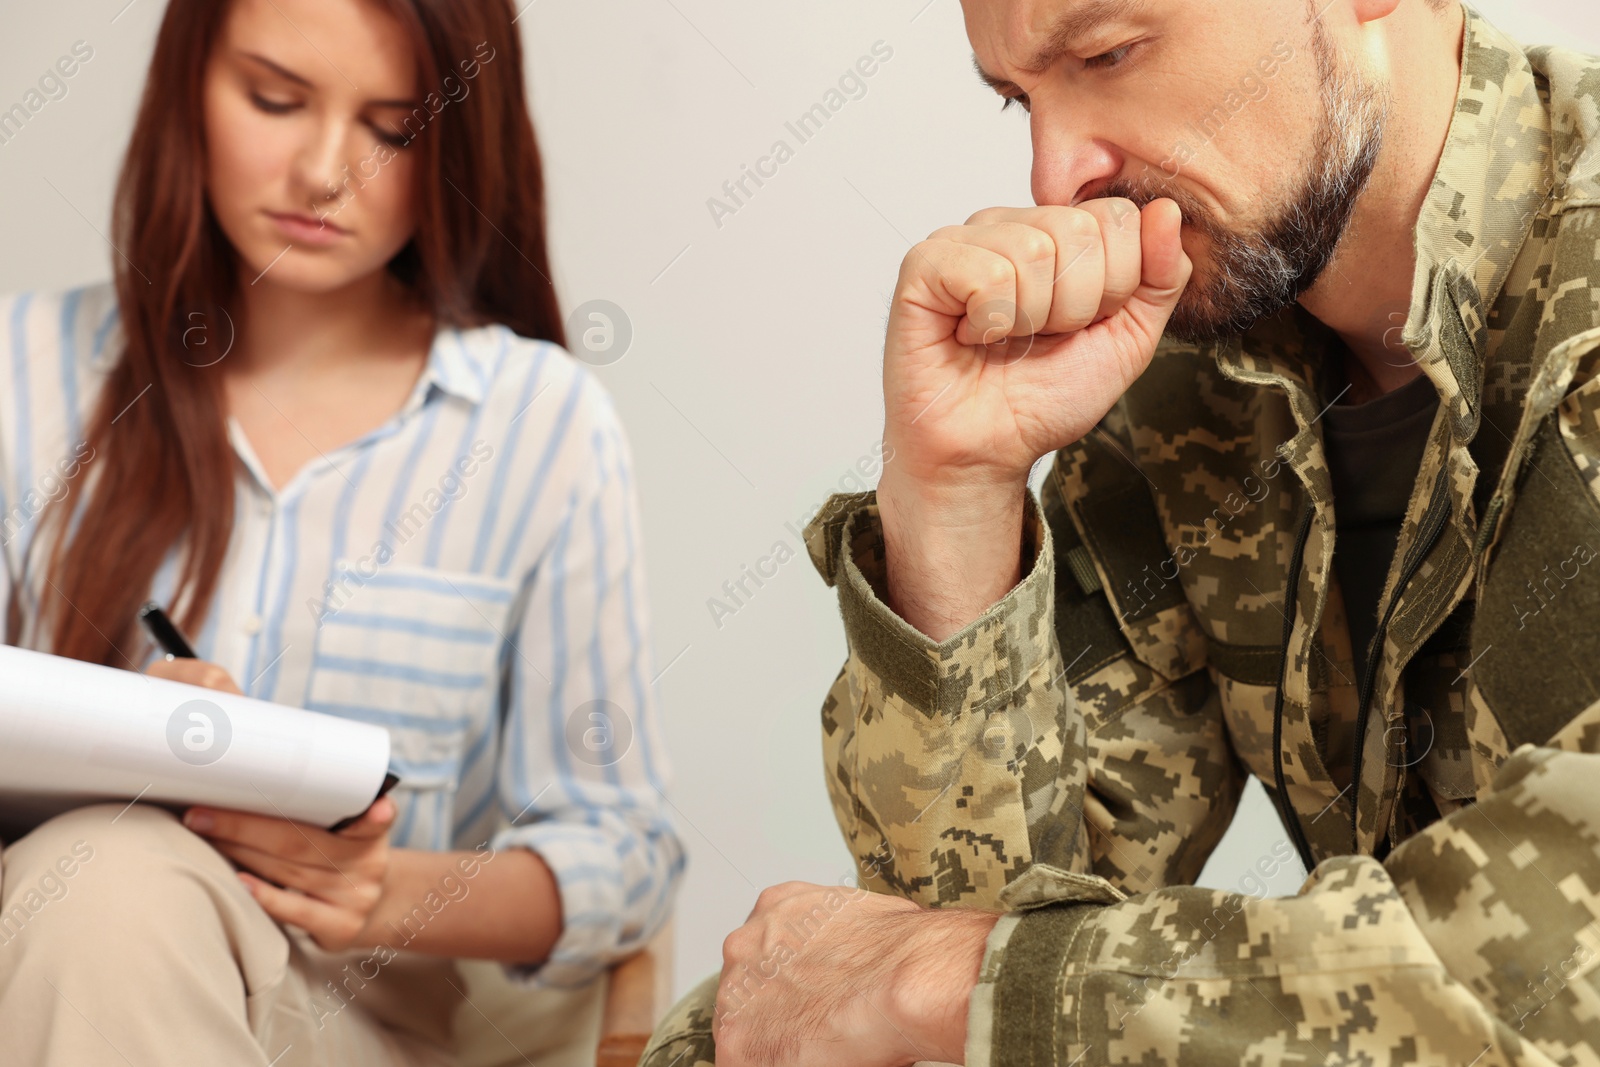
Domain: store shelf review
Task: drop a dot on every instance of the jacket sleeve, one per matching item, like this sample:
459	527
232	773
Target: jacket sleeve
1030	751
1477	941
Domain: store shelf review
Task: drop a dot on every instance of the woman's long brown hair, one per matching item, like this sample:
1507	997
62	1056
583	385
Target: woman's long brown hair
163	468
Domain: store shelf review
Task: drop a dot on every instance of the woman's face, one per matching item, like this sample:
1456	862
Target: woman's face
307	105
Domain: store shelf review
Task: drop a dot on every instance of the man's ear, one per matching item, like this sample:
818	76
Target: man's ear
1372	10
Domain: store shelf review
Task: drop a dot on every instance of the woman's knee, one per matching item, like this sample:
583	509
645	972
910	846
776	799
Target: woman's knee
112	864
125	836
122	900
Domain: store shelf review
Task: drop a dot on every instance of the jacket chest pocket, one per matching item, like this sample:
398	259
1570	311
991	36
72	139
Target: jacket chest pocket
1536	636
417	650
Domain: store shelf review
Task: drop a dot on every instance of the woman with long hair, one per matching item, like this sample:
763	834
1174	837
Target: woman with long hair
326	417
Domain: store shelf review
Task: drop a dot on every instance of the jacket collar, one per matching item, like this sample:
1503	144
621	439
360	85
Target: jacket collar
1493	177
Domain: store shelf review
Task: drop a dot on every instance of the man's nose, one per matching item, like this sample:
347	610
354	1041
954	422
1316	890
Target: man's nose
1069	165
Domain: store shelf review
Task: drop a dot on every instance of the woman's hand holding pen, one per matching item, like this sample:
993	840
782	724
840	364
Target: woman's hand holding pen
195	672
327	884
351	890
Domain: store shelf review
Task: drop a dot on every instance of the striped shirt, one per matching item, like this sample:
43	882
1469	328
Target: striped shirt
468	575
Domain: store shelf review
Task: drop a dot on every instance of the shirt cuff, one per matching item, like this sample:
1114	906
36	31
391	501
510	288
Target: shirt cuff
593	908
981	665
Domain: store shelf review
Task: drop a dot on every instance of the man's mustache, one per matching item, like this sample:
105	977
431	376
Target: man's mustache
1144	193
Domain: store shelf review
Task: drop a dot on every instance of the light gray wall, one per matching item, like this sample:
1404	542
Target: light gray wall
752	387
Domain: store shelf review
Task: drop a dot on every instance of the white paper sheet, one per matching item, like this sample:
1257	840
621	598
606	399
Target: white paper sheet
73	733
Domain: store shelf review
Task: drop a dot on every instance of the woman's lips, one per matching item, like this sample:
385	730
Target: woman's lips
307	229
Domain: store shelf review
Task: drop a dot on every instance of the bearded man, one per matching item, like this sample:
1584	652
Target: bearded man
1309	314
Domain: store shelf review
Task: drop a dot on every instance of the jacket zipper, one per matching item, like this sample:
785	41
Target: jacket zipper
1433	524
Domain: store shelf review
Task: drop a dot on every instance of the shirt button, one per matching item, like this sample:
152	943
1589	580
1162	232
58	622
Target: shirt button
266	509
252	625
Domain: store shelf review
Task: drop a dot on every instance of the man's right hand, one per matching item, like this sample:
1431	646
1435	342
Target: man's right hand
1009	338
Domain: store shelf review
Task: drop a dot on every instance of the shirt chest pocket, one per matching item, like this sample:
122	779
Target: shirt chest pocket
417	650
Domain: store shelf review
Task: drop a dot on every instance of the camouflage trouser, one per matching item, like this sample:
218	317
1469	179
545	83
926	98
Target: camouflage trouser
684	1037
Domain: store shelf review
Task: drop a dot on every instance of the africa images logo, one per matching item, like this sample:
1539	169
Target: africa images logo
599	733
199	732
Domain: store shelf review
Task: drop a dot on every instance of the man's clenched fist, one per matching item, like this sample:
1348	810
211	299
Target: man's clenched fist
1011	336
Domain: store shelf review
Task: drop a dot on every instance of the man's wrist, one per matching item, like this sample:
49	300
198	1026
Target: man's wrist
952	502
950	551
930	990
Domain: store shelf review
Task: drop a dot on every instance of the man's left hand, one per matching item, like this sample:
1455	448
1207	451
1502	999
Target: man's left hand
837	976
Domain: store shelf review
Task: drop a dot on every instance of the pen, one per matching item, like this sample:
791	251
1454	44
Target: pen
166	632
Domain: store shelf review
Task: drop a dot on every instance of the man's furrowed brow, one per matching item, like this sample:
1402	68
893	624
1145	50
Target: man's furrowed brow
1069	27
999	85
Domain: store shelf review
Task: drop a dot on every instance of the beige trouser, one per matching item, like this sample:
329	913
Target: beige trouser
125	938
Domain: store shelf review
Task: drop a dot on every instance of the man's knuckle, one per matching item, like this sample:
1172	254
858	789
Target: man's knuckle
1034	246
920	258
769	897
736	945
996	274
1079	226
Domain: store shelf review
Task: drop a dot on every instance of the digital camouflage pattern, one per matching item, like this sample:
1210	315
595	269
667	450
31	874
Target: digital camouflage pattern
683	1038
1074	755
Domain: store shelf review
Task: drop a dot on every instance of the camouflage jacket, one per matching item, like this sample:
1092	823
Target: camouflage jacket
1073	756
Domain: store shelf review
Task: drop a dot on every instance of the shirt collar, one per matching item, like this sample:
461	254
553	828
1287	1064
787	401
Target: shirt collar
456	365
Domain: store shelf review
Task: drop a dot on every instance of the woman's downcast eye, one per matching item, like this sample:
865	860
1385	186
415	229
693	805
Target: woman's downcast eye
272	107
390	137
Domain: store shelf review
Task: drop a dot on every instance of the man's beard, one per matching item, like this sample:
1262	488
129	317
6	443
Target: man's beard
1255	274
